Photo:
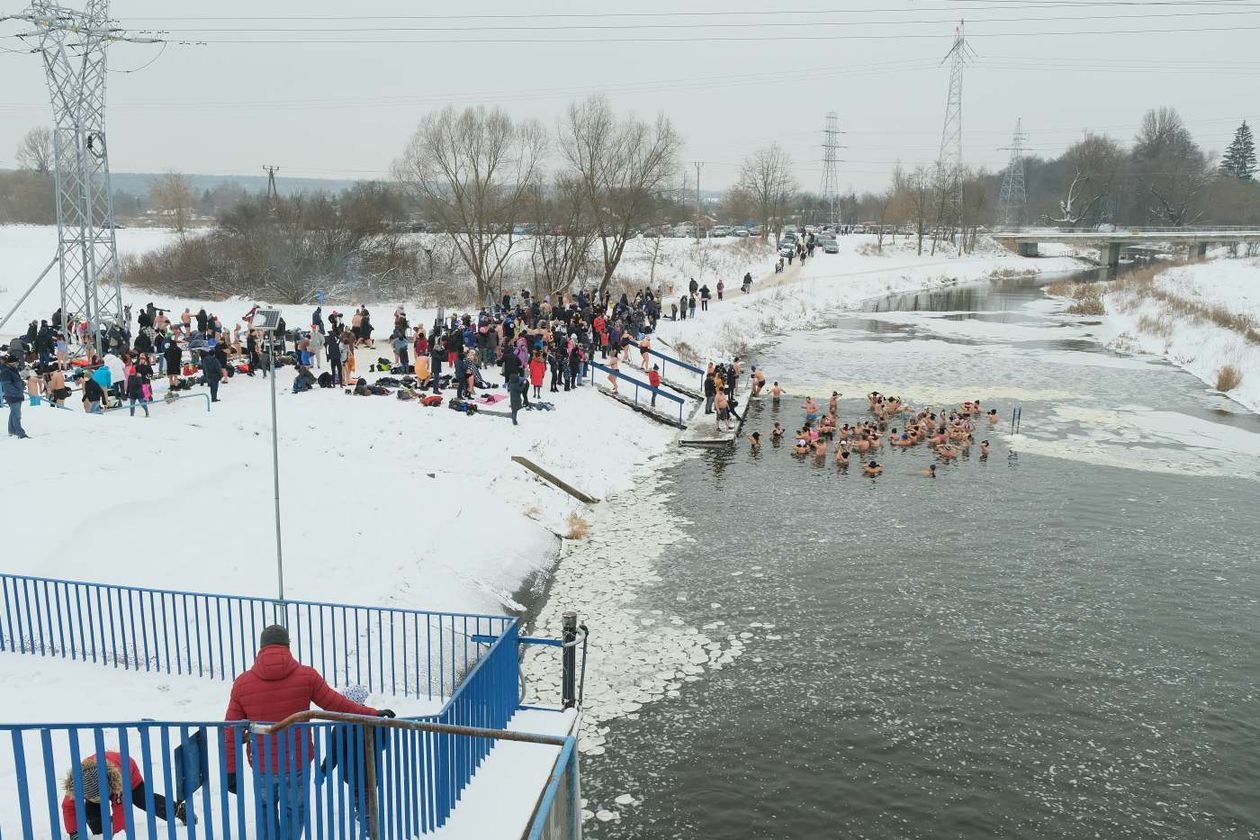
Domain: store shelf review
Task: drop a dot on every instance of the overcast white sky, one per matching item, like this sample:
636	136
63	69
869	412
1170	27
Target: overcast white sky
732	75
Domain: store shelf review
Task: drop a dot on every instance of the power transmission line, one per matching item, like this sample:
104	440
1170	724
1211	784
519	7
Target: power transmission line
1014	197
949	161
73	44
830	180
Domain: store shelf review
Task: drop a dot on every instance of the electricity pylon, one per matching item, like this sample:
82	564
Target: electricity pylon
830	179
1014	197
73	44
949	182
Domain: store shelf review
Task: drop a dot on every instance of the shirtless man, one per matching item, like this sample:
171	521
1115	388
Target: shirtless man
930	472
984	450
777	432
722	404
776	392
759	381
754	440
993	417
832	403
872	469
811	411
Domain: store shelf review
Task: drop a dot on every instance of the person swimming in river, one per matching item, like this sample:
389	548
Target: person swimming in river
754	440
811	410
984	450
930	472
775	393
842	455
777	431
992	417
872	469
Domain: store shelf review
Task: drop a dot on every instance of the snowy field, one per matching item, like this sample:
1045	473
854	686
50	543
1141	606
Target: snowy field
1199	346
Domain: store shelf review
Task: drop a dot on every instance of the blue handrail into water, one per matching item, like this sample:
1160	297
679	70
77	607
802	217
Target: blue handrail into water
666	361
391	651
639	386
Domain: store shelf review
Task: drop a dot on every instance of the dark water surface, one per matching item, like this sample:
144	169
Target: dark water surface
1028	646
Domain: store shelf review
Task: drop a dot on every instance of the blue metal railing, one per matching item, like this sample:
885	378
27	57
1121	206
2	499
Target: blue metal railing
389	650
665	362
559	812
340	781
638	387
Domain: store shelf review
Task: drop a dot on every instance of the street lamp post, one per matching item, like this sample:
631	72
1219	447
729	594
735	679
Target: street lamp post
268	320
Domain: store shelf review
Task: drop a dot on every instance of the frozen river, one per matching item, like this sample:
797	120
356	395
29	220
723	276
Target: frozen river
1059	641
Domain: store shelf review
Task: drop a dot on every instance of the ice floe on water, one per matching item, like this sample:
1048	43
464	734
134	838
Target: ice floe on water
638	654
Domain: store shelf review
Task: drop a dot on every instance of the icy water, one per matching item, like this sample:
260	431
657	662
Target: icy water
1062	641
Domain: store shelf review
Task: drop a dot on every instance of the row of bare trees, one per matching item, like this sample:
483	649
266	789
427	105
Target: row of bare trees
482	177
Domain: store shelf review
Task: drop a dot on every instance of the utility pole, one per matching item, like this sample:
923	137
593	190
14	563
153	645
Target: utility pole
699	166
73	45
949	182
1014	197
272	194
830	180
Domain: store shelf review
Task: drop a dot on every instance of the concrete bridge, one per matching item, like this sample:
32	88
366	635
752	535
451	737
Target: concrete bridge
1111	242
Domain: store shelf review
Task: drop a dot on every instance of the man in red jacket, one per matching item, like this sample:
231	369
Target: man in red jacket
276	687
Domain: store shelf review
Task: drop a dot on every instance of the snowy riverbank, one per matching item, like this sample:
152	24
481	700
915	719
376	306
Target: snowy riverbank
1196	316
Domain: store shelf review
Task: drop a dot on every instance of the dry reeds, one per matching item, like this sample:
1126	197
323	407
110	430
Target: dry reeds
1141	284
578	527
1228	378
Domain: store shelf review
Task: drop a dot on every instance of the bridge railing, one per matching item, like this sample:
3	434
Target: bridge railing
389	650
1032	230
643	392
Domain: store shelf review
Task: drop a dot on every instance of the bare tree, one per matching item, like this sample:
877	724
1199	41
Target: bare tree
623	166
766	178
1092	170
564	233
172	195
35	152
920	201
474	171
1171	170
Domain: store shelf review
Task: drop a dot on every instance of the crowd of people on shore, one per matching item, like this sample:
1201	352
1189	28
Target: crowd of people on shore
948	435
533	341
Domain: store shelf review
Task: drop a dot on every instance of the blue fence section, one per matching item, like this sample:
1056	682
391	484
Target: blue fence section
316	780
388	650
678	370
643	393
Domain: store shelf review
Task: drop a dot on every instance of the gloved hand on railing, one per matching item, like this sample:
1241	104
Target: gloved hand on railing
386	713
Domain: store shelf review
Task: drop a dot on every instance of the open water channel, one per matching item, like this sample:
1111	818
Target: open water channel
1062	640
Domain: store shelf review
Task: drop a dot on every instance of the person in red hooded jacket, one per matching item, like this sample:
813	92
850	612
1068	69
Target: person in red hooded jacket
275	687
90	787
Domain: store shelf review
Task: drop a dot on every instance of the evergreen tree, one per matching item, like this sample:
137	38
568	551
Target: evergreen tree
1240	159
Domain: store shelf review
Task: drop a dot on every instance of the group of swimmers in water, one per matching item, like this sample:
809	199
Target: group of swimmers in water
949	435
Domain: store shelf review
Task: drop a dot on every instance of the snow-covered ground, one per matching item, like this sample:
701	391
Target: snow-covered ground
1137	323
803	295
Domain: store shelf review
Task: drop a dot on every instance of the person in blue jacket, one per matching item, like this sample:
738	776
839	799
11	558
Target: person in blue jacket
13	391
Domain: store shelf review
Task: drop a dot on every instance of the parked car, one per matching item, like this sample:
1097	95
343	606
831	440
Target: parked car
787	249
719	231
740	232
756	230
829	244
